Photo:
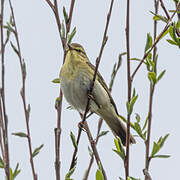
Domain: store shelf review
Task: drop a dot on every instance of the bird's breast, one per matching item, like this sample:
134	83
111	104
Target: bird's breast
75	89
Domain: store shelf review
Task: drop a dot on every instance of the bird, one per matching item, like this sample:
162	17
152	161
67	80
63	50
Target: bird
76	76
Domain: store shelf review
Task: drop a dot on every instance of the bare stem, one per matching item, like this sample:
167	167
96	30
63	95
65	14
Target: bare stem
94	77
93	146
164	8
113	75
129	88
4	119
23	95
57	130
152	86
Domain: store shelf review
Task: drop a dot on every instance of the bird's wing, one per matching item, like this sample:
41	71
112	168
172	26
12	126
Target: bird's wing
102	82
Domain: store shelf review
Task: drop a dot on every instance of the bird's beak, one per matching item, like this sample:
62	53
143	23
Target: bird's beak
70	47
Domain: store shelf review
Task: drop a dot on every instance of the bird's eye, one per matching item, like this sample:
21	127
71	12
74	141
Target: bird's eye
78	50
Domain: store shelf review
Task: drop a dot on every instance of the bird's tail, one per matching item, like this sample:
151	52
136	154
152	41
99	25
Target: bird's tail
117	127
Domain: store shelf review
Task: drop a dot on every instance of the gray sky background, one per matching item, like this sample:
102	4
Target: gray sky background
42	51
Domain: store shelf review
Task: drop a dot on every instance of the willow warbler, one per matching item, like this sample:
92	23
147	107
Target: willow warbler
76	76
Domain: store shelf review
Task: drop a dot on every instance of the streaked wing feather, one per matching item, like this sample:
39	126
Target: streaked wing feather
101	80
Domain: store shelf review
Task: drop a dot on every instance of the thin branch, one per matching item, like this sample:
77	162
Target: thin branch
70	17
57	130
129	88
23	72
164	8
2	98
94	149
146	173
113	76
155	42
178	13
94	77
152	87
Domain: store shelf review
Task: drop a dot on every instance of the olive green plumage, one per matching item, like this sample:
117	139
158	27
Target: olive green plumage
76	76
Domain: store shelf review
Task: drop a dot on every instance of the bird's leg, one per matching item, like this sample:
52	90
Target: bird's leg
91	97
81	126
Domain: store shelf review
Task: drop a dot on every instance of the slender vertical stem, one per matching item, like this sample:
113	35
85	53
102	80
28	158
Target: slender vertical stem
129	88
57	130
23	92
94	77
94	149
152	86
2	98
113	75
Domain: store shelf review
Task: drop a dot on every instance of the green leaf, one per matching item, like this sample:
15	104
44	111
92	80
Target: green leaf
155	149
172	32
70	37
65	15
164	34
56	80
37	150
69	174
159	17
133	100
119	148
160	75
73	139
14	48
162	140
132	178
57	103
120	154
152	77
1	163
148	42
128	108
11	174
138	117
145	123
63	30
138	130
90	151
161	156
24	68
99	175
28	109
11	21
121	178
124	120
16	171
172	42
8	27
134	92
20	134
103	133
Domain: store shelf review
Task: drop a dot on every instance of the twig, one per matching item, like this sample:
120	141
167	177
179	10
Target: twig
146	173
178	13
113	75
155	42
2	98
152	86
26	111
94	77
129	89
57	130
93	146
164	8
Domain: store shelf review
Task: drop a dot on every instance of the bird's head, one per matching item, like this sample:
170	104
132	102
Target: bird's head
77	50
